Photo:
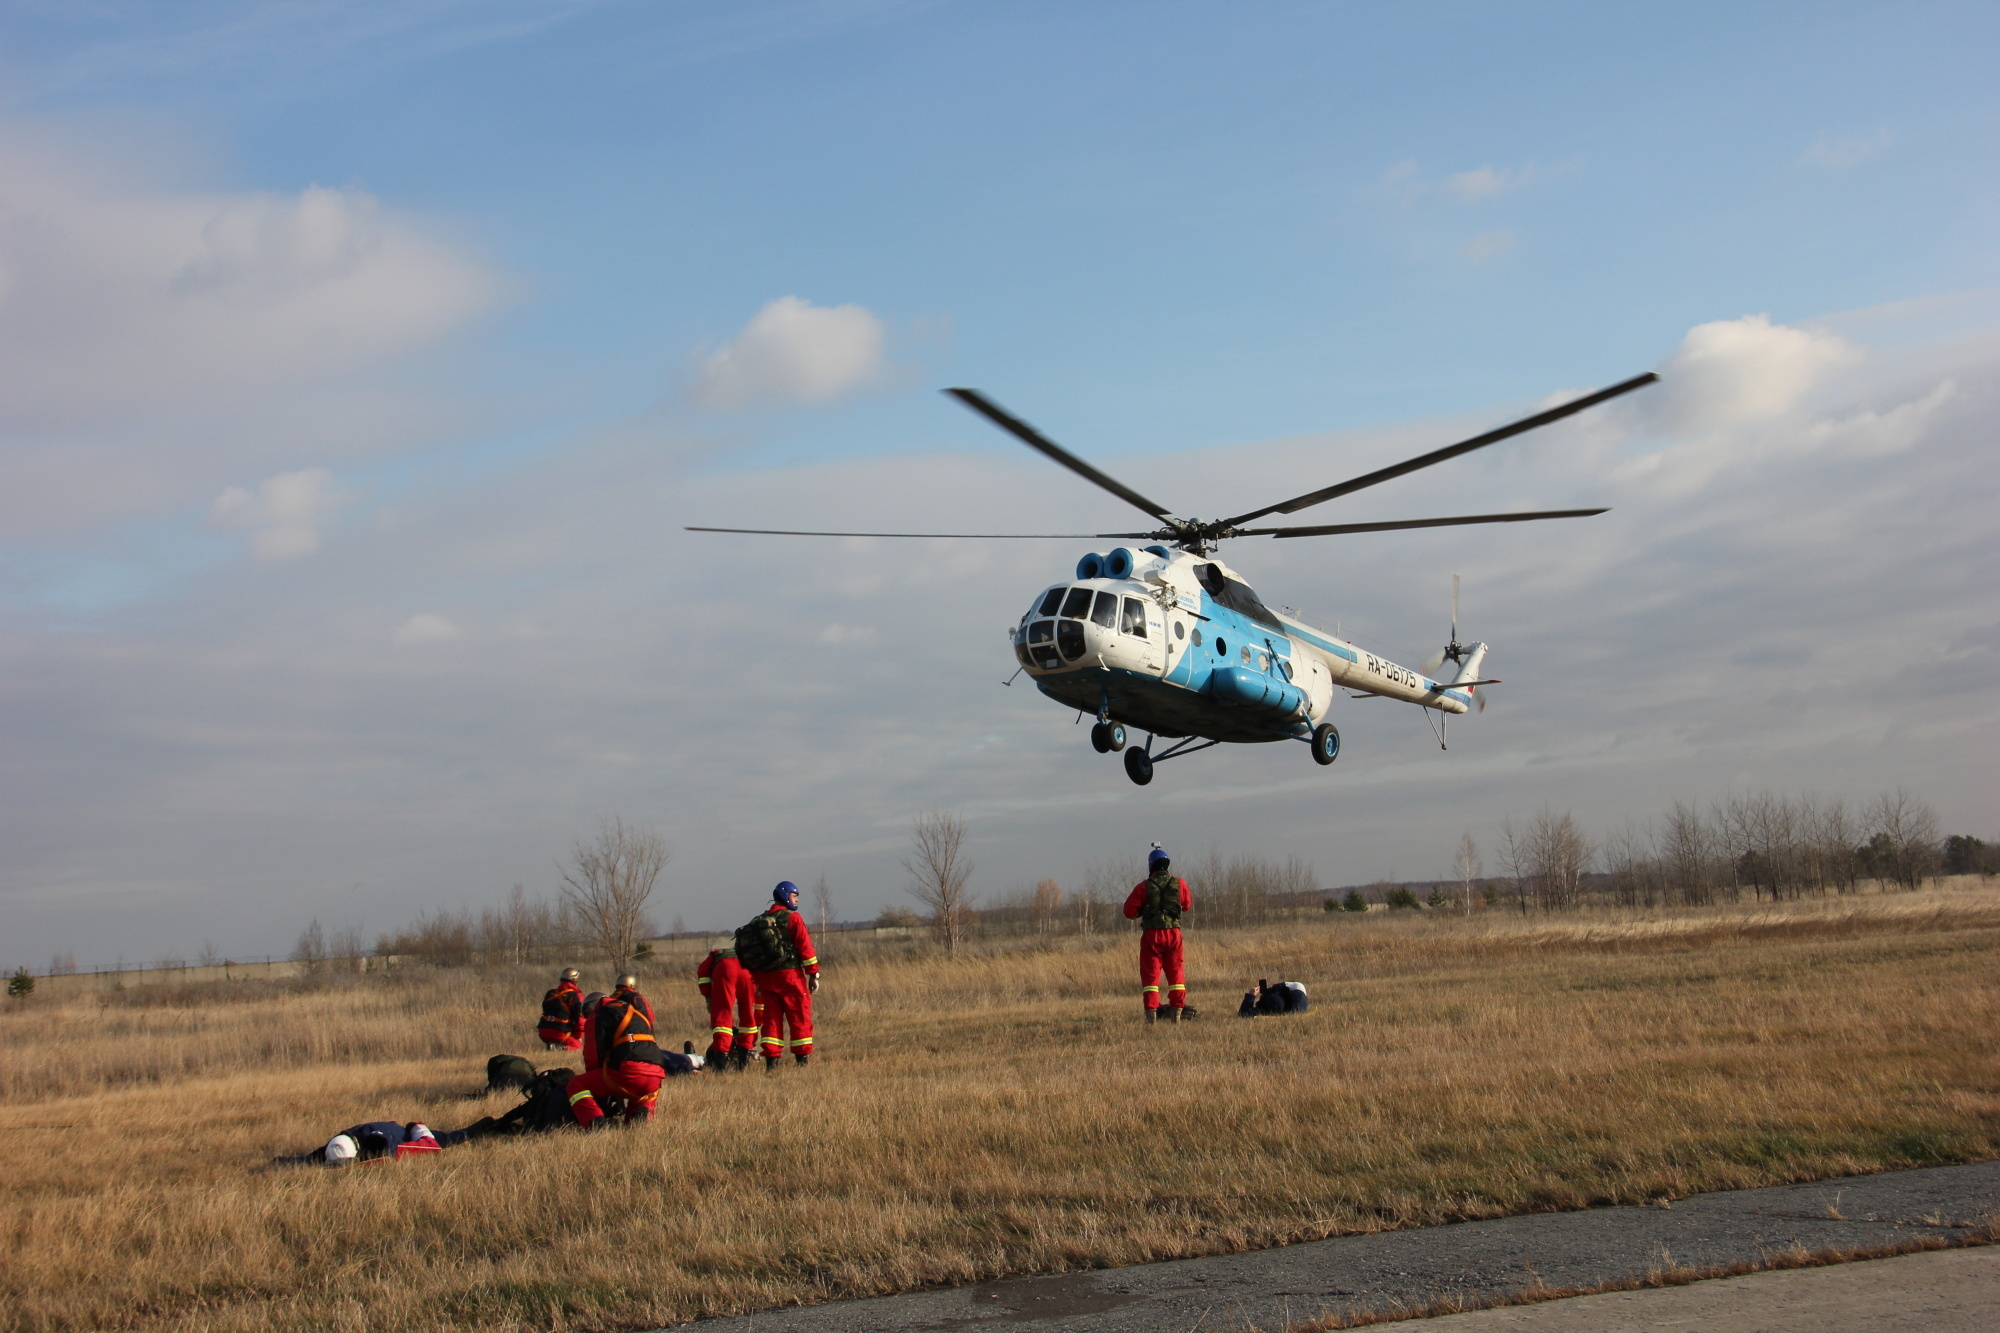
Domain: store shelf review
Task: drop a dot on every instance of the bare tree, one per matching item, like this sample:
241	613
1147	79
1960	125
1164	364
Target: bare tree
1905	841
607	884
209	956
1046	905
822	902
311	948
1557	854
938	870
1466	866
1516	854
1686	845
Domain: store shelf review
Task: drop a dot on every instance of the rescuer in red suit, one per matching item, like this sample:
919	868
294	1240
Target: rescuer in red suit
727	988
561	1025
1157	902
785	978
620	1058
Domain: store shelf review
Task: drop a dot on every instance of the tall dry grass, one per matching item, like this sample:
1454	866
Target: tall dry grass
998	1113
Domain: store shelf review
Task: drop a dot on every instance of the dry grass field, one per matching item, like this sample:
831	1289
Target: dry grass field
1005	1113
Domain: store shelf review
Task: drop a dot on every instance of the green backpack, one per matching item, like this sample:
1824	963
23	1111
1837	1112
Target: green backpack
764	945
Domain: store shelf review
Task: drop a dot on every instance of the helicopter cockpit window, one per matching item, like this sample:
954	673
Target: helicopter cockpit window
1077	605
1134	621
1041	644
1105	612
1069	638
1050	601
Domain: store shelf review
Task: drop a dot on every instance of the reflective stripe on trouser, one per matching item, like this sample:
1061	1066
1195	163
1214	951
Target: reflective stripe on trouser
638	1084
1160	951
568	1041
783	1002
735	999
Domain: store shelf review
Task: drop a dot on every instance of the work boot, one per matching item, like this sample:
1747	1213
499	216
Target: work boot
1173	1013
739	1059
771	1063
1152	1016
803	1057
1188	1013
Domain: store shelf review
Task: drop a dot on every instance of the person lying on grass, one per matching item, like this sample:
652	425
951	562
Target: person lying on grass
1285	997
378	1139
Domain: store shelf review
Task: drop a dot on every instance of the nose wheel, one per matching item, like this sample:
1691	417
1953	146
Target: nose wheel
1139	766
1107	737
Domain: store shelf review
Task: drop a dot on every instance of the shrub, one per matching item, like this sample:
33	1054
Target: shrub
1401	897
1355	902
21	985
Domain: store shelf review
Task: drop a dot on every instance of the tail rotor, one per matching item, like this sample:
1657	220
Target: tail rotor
1453	651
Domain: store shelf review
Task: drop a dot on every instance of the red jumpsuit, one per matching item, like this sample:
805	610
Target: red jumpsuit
726	985
562	1017
1160	946
620	1059
783	999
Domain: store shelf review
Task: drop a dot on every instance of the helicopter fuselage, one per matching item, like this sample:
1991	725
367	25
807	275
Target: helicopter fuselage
1175	644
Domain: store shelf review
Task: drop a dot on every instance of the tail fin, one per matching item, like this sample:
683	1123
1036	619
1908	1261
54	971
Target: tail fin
1468	670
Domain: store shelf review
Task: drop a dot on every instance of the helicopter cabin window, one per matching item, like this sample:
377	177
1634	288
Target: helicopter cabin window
1197	634
1077	605
1105	612
1051	600
1180	631
1221	647
1134	622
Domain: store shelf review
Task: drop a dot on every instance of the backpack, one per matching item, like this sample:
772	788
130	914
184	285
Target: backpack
508	1071
764	945
547	1106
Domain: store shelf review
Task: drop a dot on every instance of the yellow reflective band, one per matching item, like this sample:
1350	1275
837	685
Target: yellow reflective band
579	1096
701	981
811	962
1177	988
719	1032
1150	990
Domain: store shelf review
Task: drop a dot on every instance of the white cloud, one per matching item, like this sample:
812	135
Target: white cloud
284	513
1733	371
1840	154
793	351
154	341
1481	182
1488	245
425	628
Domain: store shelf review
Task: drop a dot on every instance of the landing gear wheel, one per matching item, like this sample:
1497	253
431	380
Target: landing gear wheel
1100	738
1116	732
1139	766
1326	743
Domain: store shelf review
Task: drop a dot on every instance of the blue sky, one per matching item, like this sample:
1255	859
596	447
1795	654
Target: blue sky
348	349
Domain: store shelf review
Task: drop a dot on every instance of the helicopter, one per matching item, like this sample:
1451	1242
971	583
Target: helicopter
1166	639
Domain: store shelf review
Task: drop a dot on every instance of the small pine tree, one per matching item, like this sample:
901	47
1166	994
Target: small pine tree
1401	897
1354	902
21	985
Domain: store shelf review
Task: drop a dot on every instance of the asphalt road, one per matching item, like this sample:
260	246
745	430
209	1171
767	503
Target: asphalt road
1945	1291
1474	1262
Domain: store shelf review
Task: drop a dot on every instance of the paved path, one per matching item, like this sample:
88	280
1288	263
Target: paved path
1947	1291
1402	1270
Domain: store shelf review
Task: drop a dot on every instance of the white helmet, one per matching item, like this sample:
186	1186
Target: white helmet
420	1130
341	1148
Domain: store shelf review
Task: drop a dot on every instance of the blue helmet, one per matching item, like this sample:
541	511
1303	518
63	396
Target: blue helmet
1158	856
786	889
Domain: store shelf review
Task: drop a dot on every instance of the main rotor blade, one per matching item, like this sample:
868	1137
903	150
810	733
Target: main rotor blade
1335	529
1034	439
1449	451
974	536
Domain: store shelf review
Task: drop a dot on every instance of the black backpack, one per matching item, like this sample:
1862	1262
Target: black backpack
547	1106
764	945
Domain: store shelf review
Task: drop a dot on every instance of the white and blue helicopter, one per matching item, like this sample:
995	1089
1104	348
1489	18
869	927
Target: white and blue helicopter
1164	638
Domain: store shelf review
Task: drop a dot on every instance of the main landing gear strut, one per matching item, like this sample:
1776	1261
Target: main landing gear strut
1108	736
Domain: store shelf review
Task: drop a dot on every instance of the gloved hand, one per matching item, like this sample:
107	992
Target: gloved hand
812	983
